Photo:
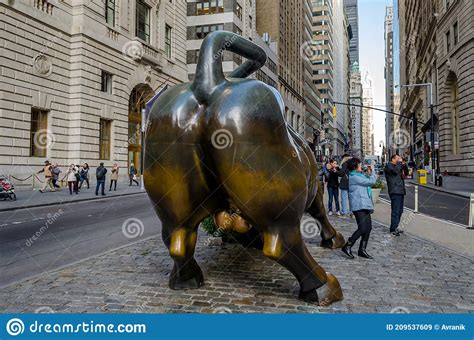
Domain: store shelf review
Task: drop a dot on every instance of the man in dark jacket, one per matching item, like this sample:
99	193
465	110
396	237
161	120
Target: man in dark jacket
100	175
395	176
332	178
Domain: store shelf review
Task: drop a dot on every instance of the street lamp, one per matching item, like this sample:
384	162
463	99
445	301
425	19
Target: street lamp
432	142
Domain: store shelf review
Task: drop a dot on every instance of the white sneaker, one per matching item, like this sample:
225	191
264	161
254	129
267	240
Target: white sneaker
330	213
338	213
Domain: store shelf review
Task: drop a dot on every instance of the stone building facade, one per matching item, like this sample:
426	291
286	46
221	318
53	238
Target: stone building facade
439	51
356	98
455	79
75	75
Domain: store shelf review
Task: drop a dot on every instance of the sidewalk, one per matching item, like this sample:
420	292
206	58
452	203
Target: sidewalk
440	232
28	198
461	186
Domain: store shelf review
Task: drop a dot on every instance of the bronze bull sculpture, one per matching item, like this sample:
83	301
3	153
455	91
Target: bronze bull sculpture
265	173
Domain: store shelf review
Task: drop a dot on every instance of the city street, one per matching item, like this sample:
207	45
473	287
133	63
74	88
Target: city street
112	272
435	203
80	230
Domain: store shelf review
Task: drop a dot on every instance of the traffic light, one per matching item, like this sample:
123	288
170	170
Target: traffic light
334	111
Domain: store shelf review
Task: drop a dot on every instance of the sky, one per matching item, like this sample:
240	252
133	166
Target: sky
372	57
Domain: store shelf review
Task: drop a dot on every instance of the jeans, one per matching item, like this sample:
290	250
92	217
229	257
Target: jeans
397	202
82	181
364	226
100	182
333	193
345	202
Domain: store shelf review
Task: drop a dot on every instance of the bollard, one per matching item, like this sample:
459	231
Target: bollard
33	183
416	200
471	212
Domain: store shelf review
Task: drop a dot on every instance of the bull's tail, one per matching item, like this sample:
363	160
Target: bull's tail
209	73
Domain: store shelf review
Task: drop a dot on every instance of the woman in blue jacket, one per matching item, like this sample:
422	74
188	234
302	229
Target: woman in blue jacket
361	205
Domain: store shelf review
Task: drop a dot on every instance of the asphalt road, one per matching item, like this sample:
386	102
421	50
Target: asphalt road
33	241
437	204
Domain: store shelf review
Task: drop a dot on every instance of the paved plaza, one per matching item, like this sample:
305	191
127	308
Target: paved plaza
407	275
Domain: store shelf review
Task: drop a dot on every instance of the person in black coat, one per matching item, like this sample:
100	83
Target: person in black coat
395	174
333	172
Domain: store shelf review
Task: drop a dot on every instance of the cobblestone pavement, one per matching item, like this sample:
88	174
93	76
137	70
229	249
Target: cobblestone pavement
407	275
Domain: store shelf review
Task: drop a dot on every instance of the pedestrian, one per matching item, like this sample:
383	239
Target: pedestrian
361	205
114	177
72	179
48	177
132	174
344	186
395	177
332	178
84	175
100	174
56	171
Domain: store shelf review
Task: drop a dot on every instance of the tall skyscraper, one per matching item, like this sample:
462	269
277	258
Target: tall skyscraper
356	98
389	85
283	22
367	116
323	68
351	8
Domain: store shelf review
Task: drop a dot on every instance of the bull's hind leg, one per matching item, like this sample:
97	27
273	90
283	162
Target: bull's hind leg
286	247
330	237
181	242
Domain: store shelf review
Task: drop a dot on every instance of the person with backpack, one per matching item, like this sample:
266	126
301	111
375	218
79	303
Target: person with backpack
395	174
56	172
332	178
344	186
100	174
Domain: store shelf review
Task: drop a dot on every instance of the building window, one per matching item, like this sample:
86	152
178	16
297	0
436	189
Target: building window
39	134
168	41
110	12
238	11
104	139
204	7
106	82
456	33
448	41
143	21
203	31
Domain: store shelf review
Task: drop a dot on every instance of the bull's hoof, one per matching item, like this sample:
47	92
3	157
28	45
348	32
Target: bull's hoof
325	295
187	280
336	242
